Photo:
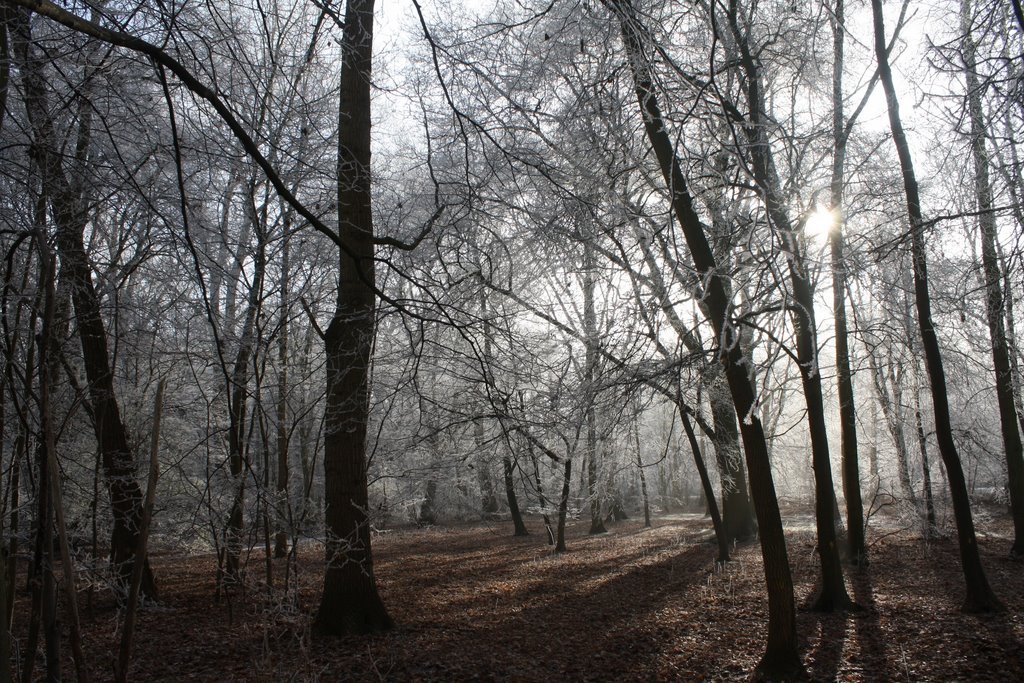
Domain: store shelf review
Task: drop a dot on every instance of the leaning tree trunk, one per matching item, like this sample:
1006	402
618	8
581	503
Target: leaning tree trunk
980	597
350	602
737	523
706	487
69	208
993	288
781	659
510	495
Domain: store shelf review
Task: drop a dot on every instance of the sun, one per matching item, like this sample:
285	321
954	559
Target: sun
820	223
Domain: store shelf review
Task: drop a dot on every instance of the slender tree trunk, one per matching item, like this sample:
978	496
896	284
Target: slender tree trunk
709	491
350	602
283	508
50	367
510	493
131	607
642	474
238	395
781	659
69	210
590	389
926	481
994	308
47	474
896	417
844	375
540	495
979	597
737	514
563	506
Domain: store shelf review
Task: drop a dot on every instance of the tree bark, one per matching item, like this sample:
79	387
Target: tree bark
737	516
979	597
350	602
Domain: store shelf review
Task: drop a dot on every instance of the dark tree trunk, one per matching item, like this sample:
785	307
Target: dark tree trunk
513	502
979	597
283	508
844	375
427	515
994	308
926	474
540	496
238	396
643	475
69	209
709	492
350	602
488	499
737	514
590	389
781	659
563	506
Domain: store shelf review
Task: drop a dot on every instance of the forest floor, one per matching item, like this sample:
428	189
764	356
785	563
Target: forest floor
473	603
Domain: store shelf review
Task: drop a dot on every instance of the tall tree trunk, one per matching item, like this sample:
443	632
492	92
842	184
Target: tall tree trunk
350	602
590	389
737	513
844	375
781	659
69	208
283	508
994	308
979	597
238	398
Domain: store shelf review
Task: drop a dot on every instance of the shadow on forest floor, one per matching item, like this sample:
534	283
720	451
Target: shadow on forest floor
635	604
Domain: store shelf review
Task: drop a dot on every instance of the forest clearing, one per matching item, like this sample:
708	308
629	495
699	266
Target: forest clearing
472	602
